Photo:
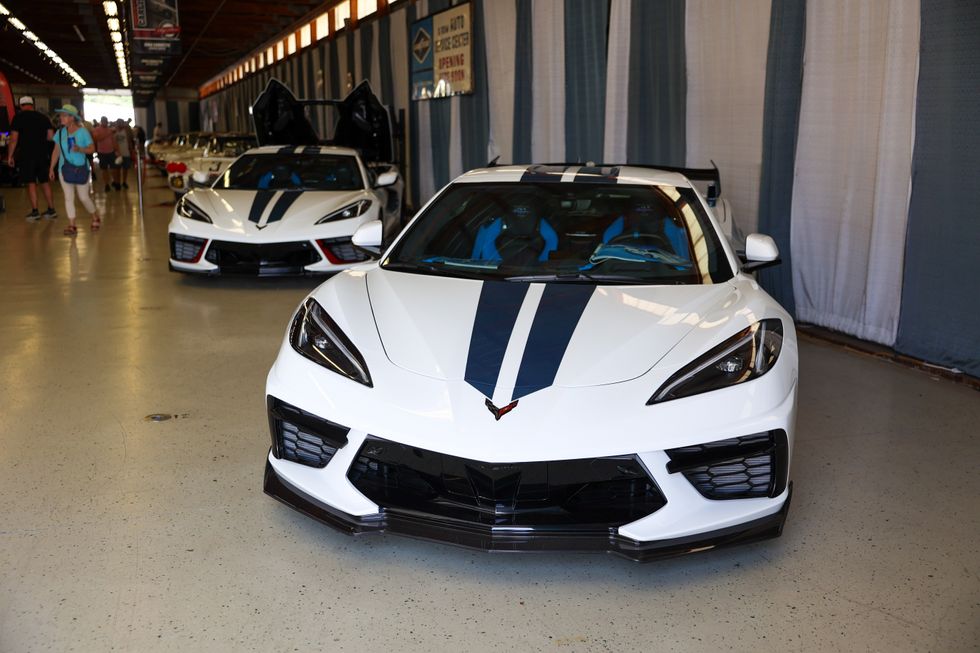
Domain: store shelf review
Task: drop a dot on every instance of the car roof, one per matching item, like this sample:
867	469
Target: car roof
302	149
621	174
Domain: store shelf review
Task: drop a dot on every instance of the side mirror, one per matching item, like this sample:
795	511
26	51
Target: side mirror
368	236
386	179
760	252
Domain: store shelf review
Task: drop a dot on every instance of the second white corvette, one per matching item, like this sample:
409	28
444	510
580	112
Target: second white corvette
292	209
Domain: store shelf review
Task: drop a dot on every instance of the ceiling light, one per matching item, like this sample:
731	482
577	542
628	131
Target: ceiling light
118	47
110	8
41	45
113	24
16	23
3	11
31	35
116	37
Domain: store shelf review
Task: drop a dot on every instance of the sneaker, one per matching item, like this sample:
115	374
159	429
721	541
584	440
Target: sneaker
33	216
108	188
50	214
116	186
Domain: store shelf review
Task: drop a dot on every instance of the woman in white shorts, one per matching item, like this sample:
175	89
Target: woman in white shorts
71	143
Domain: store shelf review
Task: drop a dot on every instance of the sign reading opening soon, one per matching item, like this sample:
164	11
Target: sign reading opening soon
442	54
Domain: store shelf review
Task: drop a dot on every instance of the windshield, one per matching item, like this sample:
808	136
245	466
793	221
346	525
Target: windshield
596	233
292	172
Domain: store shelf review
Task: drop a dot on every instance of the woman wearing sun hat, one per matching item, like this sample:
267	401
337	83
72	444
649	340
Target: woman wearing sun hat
71	143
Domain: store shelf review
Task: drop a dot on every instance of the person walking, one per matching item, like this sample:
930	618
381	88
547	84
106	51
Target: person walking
105	147
72	143
30	133
124	157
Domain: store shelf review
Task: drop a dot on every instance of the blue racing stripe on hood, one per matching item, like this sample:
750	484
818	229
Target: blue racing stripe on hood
259	202
280	208
496	315
561	307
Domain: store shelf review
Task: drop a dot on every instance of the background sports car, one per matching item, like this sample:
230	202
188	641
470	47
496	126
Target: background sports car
201	169
292	209
547	357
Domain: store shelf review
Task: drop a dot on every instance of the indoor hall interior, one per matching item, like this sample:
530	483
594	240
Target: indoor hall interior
123	533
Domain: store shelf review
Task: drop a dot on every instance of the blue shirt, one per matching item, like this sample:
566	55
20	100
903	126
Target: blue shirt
82	139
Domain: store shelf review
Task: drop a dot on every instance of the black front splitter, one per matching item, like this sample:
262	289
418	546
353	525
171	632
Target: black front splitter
487	538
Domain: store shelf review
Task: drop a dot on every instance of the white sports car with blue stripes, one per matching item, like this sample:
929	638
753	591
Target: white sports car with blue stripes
292	209
547	357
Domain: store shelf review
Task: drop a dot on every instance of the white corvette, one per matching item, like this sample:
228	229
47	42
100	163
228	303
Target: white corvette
547	357
292	209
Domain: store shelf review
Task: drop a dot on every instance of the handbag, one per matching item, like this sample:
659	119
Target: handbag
71	173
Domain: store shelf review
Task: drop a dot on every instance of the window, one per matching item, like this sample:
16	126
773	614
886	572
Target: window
366	8
269	56
291	43
323	26
305	36
340	13
293	172
280	51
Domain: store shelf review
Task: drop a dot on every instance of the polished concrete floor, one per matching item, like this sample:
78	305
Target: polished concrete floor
117	533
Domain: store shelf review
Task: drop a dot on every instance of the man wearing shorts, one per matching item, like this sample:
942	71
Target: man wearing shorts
105	147
124	148
30	133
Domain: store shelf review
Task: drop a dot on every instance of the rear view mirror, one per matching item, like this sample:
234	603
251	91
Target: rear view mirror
368	236
760	252
386	179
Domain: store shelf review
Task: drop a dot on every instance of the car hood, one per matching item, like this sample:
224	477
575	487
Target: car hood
511	339
268	214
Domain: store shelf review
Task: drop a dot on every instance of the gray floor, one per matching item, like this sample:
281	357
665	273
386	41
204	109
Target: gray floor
121	534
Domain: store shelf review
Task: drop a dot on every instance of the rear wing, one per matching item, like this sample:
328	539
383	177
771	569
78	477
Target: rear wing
710	175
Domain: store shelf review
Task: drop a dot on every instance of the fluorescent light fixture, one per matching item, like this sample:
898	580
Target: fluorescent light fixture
110	8
16	23
113	24
4	11
116	37
31	35
118	47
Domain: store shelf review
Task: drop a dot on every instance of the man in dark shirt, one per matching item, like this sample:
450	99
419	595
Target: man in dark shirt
30	133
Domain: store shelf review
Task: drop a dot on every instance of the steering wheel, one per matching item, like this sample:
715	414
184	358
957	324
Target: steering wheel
643	241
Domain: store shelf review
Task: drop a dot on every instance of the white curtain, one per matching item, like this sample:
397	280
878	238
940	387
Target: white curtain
727	47
500	17
548	101
853	164
399	54
617	82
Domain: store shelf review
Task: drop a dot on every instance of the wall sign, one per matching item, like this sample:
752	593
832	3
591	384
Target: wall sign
442	54
155	19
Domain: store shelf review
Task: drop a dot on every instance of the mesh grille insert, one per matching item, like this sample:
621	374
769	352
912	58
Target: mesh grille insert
746	467
186	248
301	437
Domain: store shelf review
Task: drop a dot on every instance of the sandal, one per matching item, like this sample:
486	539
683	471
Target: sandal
71	230
96	224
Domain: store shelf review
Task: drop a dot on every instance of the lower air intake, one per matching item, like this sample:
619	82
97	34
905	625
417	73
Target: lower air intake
746	467
341	250
301	437
186	248
587	493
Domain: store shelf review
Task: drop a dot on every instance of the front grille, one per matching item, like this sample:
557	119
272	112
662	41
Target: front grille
186	248
587	493
746	467
301	437
341	250
272	258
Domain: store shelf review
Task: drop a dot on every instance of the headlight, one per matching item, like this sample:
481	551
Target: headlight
317	337
187	209
350	211
747	355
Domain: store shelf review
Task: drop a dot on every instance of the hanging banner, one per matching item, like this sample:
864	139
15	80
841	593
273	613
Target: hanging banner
156	48
442	54
155	19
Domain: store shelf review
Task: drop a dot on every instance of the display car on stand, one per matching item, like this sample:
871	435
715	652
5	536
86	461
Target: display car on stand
291	205
547	357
